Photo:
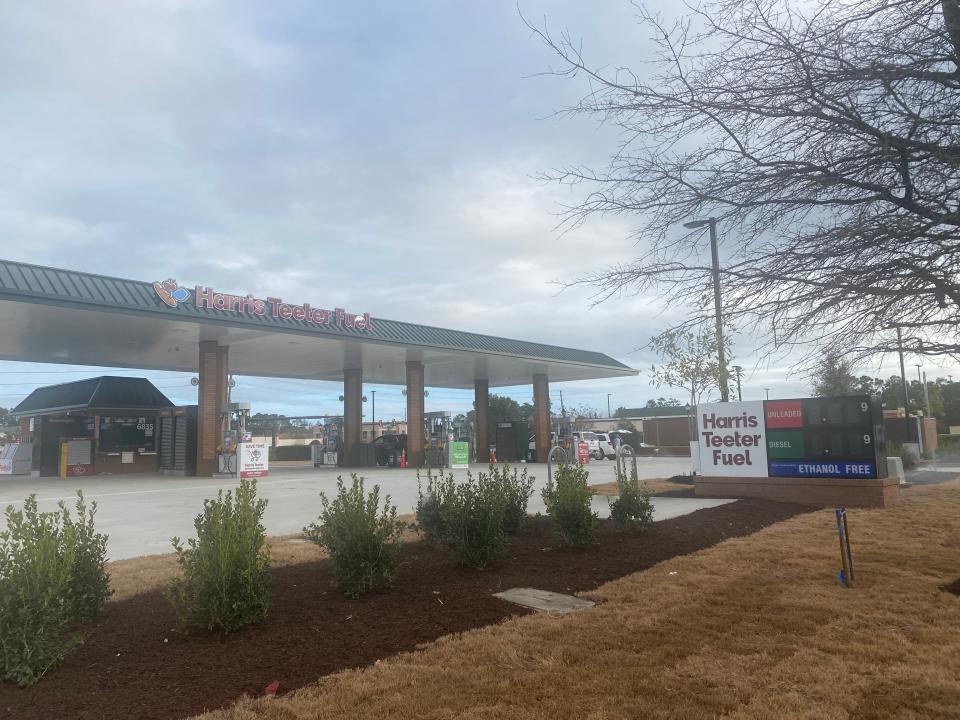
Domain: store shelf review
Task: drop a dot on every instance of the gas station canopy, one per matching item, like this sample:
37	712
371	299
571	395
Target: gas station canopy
61	316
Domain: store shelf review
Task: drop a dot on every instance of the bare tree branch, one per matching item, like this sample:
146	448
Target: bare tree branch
824	136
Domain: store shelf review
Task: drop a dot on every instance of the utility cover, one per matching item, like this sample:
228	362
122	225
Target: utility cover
544	600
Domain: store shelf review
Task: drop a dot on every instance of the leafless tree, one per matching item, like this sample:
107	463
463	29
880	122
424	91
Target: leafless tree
824	136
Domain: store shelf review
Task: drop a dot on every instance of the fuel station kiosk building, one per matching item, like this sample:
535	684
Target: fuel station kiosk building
62	316
101	424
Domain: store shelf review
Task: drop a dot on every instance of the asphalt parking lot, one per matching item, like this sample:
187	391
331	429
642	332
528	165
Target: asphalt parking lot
142	512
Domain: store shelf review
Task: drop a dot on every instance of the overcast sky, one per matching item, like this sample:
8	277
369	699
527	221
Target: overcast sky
376	156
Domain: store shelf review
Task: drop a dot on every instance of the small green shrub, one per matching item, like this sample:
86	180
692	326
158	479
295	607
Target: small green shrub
430	506
225	581
473	518
632	510
51	575
568	504
362	538
948	446
469	518
89	585
515	491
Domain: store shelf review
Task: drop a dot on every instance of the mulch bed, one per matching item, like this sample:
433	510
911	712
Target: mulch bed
136	663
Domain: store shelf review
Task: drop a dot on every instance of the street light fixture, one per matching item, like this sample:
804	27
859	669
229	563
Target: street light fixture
715	257
923	384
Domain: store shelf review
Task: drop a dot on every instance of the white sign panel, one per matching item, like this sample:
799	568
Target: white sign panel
252	459
732	439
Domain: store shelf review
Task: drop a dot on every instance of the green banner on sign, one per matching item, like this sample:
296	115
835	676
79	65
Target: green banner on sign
785	444
459	454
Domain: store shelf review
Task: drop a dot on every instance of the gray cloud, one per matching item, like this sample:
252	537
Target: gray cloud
376	156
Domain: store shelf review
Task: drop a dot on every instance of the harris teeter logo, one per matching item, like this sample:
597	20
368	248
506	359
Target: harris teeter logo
172	295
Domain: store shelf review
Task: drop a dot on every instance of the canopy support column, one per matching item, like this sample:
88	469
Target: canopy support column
414	413
352	412
212	413
541	416
481	407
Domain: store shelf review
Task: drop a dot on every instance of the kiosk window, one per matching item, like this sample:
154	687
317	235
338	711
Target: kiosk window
125	434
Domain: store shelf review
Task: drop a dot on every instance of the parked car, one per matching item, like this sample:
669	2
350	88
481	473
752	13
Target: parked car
606	445
389	448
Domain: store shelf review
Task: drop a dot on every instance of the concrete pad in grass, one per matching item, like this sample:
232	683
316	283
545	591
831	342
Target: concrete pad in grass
544	600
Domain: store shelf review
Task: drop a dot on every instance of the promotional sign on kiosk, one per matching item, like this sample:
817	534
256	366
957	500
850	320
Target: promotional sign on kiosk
76	458
828	437
583	453
252	460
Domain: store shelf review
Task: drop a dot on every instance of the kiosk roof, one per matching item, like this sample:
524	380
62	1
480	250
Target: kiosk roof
100	393
63	316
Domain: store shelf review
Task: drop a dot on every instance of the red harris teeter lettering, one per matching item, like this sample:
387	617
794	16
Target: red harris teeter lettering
207	298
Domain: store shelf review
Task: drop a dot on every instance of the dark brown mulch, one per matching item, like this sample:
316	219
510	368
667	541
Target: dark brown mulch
135	663
679	492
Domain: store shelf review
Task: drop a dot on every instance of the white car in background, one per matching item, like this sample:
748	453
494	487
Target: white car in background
606	443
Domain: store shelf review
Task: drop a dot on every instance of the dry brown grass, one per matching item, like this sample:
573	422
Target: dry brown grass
654	485
153	572
756	627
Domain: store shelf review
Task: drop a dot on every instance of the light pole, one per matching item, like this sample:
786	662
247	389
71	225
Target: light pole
903	379
608	404
715	258
768	393
920	380
373	414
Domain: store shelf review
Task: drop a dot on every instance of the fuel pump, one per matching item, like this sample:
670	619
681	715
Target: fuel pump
437	432
235	432
332	440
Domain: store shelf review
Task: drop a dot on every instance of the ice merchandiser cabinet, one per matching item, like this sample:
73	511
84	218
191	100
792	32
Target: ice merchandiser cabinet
16	459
